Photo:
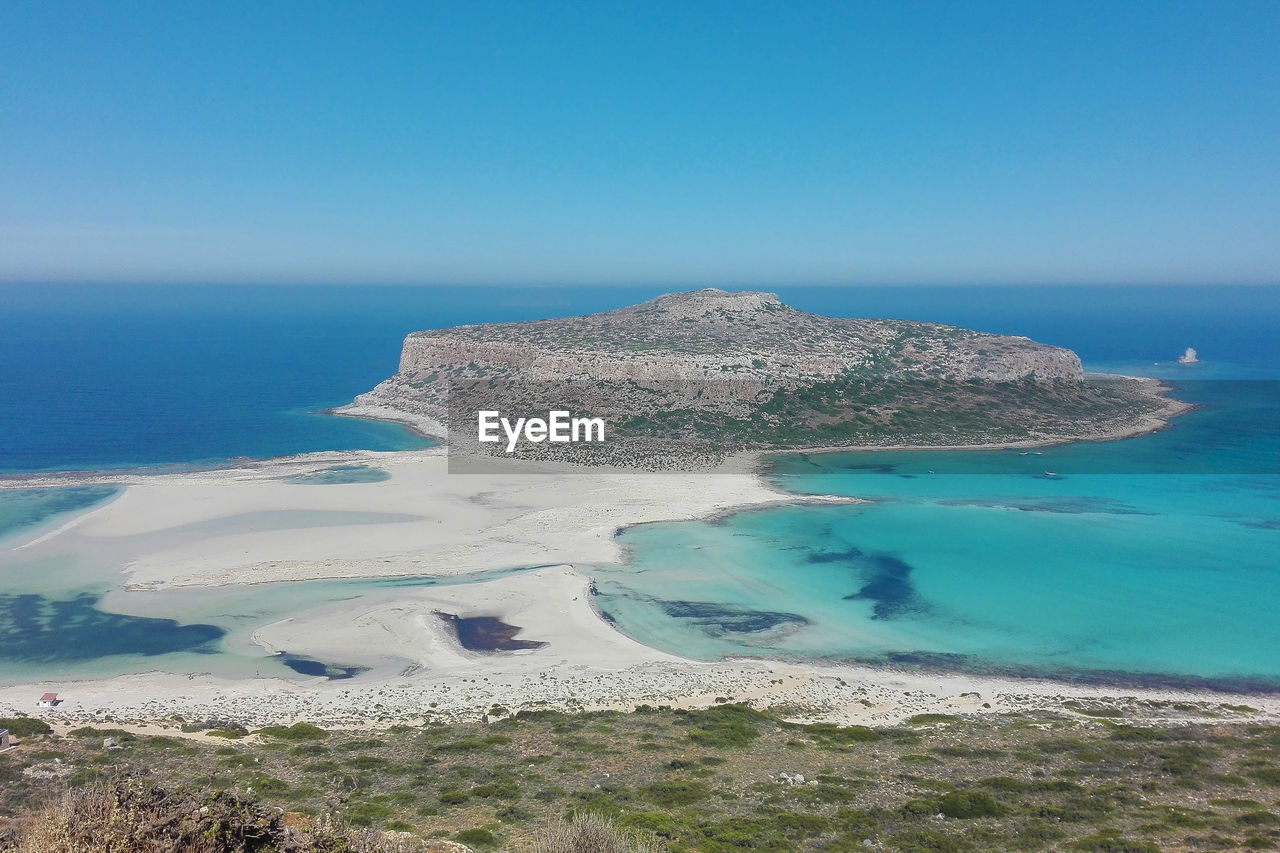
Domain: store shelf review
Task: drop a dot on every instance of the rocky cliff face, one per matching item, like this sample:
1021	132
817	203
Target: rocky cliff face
706	334
731	370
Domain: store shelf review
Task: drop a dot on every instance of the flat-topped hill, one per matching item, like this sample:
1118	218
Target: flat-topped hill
707	333
709	372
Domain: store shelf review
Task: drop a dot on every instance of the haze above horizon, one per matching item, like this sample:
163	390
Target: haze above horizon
716	143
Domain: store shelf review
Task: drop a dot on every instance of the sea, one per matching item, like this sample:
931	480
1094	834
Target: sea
1152	560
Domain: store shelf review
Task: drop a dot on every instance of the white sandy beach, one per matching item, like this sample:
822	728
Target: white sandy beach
246	525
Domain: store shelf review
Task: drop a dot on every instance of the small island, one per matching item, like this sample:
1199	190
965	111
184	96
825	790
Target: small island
688	379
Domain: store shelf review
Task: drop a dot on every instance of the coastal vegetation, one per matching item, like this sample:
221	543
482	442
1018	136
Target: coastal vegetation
727	778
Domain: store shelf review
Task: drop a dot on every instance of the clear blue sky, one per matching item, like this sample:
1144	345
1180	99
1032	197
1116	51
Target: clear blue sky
652	142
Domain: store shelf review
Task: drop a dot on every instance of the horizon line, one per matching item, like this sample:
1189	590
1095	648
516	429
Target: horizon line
605	285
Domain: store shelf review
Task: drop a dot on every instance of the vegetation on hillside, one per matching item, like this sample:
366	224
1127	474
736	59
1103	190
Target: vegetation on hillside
729	778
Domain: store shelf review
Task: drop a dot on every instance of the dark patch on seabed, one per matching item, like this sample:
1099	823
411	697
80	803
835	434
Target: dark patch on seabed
1065	506
37	629
308	666
873	467
31	507
718	619
886	581
488	634
836	556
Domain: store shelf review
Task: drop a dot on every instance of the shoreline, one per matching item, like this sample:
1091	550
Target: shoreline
587	662
1147	425
1153	422
827	692
421	426
427	427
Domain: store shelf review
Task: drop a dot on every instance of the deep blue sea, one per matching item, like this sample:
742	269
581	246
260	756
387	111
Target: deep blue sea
106	376
1154	559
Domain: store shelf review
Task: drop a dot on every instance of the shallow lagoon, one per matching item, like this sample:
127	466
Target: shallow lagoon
340	475
63	613
1097	573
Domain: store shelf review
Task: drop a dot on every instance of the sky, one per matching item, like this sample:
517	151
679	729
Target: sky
705	143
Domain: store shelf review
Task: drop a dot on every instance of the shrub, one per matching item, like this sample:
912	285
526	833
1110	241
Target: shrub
513	814
1035	835
477	837
968	804
927	841
365	813
238	761
1259	817
130	816
1106	844
591	833
833	735
795	825
857	820
366	762
297	731
25	726
673	794
725	726
1269	776
497	790
268	786
929	719
654	822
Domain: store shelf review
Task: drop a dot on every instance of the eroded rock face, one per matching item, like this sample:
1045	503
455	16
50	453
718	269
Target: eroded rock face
708	335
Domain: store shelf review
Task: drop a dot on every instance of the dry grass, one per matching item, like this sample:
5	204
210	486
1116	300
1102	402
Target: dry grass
129	817
591	833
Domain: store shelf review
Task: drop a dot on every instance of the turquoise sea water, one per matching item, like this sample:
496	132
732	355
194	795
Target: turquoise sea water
1118	567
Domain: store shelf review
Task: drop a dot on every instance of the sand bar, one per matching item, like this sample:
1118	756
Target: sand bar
247	525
